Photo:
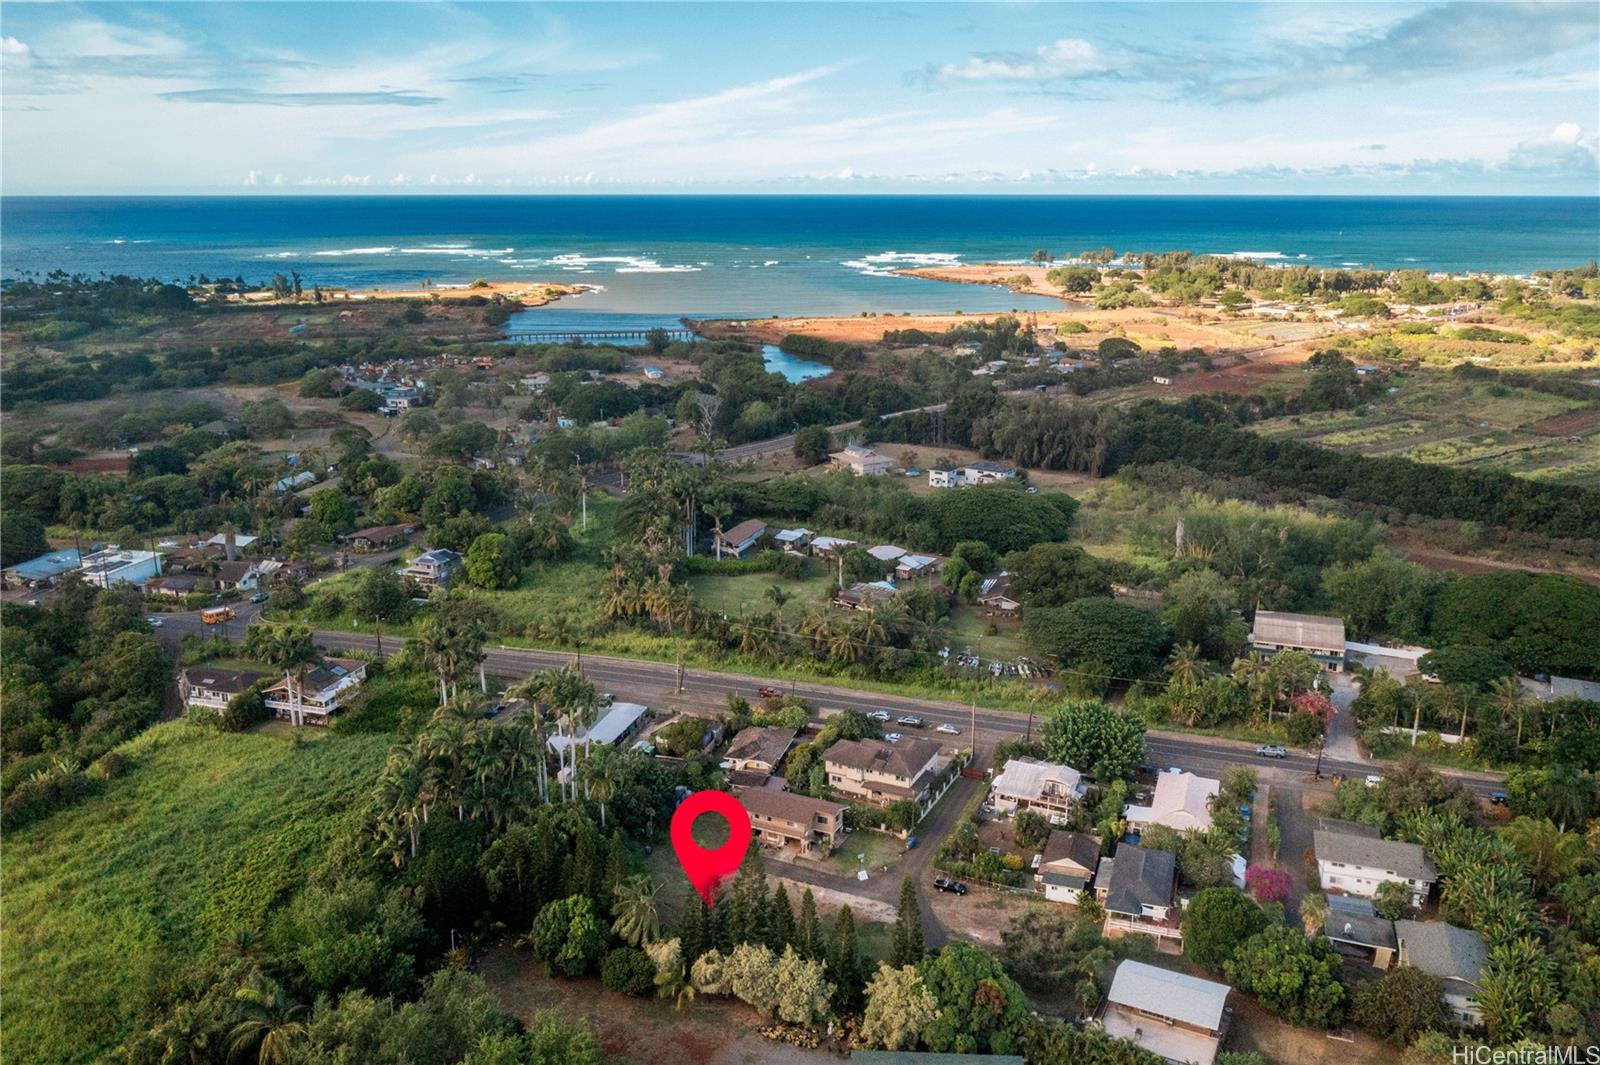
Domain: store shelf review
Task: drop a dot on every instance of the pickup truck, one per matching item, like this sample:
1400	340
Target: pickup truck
954	887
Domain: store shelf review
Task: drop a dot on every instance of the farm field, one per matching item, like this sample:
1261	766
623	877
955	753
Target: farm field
1441	419
207	833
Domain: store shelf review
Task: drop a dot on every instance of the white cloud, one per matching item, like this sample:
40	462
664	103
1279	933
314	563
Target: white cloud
1069	57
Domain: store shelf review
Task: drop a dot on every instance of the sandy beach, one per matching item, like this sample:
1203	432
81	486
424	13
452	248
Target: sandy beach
527	293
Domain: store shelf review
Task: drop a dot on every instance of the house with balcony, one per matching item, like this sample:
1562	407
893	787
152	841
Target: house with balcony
1180	1017
314	694
1356	865
433	569
1046	788
214	689
738	540
1138	889
878	774
813	827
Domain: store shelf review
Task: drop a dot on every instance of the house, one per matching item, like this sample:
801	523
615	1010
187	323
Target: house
741	538
860	461
864	595
616	726
214	689
377	538
986	471
316	693
294	482
1356	865
536	382
1355	930
758	752
433	569
994	595
828	546
1161	380
238	576
42	571
1067	865
1043	787
1455	955
174	587
879	773
1138	888
909	567
794	541
230	542
113	565
944	478
1180	1017
1320	637
781	818
278	572
886	552
1182	801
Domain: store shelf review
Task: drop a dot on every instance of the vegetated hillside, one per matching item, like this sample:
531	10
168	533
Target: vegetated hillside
205	834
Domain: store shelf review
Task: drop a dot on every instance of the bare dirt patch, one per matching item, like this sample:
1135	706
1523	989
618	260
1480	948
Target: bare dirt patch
1573	423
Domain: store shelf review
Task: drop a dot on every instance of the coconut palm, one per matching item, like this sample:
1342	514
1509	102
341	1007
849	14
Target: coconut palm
289	648
1509	700
1313	912
779	598
603	775
1185	667
437	643
271	1028
638	922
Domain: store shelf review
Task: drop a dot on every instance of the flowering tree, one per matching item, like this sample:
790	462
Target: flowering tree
1267	884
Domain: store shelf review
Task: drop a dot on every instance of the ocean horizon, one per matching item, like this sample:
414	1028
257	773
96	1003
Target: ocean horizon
744	255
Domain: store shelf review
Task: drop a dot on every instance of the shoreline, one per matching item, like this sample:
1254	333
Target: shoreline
526	293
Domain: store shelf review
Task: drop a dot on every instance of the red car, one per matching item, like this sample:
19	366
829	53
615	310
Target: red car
769	693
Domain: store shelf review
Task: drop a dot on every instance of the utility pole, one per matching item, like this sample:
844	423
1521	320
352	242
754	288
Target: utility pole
379	631
679	689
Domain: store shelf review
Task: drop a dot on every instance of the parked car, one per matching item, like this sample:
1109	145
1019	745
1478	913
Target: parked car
891	737
154	623
954	887
768	692
1497	798
1373	780
948	730
880	715
1272	750
259	597
909	720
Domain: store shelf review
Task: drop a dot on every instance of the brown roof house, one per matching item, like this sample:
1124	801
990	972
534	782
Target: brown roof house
757	753
780	818
738	540
1067	865
214	689
879	773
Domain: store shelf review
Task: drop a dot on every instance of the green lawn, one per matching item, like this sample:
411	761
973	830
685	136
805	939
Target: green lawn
876	848
747	593
207	832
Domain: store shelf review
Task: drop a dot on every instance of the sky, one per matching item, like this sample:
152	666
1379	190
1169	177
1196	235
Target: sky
1037	98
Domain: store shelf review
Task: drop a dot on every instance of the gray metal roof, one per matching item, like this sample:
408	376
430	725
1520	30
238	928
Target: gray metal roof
1407	861
1354	920
1299	630
1165	993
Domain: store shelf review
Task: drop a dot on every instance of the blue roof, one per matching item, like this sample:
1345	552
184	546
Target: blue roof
46	566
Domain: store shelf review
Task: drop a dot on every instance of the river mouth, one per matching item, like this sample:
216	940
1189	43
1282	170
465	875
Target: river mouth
628	326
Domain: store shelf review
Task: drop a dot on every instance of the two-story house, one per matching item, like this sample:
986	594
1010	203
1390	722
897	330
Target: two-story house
1180	1017
1029	784
1138	889
1182	802
313	695
1067	865
780	818
738	540
1356	865
433	569
879	773
214	689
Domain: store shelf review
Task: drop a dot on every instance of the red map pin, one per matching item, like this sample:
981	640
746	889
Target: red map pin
707	869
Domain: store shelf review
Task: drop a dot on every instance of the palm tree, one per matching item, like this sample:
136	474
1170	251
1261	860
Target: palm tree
604	774
1509	700
1313	911
1254	673
720	511
779	597
271	1025
638	923
437	643
1185	667
289	648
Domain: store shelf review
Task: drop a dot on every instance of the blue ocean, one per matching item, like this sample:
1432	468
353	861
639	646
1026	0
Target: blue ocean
745	256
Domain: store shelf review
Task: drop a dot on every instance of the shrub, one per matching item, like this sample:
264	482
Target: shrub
1030	830
628	971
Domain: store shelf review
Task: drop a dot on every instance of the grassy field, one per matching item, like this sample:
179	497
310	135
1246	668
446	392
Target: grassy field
747	593
207	833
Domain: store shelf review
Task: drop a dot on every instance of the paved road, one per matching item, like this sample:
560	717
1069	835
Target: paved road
786	442
981	728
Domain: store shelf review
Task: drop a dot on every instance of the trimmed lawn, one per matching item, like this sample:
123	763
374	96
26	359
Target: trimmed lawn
747	593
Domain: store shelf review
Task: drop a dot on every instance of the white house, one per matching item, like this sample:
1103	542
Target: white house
1455	955
113	565
1182	801
1180	1017
316	693
1356	865
1044	787
861	461
827	546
